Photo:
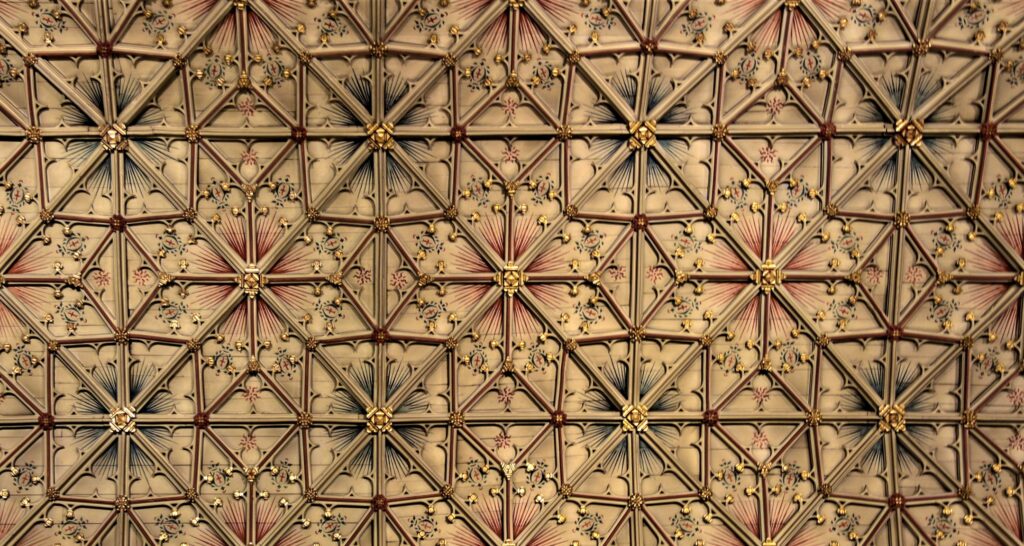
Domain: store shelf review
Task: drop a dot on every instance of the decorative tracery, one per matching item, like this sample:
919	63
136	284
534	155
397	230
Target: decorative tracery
511	272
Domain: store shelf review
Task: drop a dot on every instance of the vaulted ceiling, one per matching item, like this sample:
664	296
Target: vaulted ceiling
511	272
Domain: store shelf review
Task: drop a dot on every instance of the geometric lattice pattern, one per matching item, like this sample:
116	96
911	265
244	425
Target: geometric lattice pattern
511	272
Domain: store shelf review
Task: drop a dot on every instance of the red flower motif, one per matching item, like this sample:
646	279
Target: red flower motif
510	155
505	395
141	278
761	395
914	275
1016	397
363	276
398	280
251	394
502	441
100	278
246	106
250	157
247	443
